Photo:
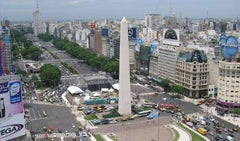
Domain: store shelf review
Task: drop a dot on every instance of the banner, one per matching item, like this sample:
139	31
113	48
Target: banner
11	110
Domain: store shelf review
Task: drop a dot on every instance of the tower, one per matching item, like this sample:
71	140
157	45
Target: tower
38	25
124	107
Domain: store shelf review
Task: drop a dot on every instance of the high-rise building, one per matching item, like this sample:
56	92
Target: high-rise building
153	21
192	72
7	47
38	25
229	75
162	64
124	107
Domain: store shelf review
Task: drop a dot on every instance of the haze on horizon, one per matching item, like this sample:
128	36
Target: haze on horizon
20	10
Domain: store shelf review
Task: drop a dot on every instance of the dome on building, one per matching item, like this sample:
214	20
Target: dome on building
170	34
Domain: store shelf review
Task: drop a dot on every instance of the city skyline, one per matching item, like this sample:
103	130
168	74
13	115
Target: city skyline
15	10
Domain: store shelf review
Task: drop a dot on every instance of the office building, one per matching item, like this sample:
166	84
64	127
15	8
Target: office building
192	72
153	21
38	25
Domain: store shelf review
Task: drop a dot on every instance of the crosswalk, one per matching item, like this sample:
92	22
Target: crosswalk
56	135
42	102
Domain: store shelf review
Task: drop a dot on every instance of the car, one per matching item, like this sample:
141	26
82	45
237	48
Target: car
218	130
59	130
84	134
77	133
211	133
113	122
73	126
62	138
104	121
230	130
96	122
54	135
235	129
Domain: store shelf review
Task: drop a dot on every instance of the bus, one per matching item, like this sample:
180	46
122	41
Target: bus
167	106
44	114
150	105
144	113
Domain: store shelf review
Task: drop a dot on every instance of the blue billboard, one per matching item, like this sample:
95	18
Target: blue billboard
154	46
132	33
138	43
6	39
229	45
105	32
1	59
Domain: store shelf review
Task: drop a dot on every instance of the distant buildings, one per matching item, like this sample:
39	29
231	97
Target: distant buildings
153	21
38	25
6	48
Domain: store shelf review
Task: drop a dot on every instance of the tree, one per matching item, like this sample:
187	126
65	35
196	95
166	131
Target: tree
45	37
50	75
165	83
32	53
177	89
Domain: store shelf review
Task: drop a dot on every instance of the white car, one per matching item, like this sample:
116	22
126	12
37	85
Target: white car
73	126
203	122
84	134
54	135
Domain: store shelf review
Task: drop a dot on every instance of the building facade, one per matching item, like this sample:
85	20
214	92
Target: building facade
162	64
192	72
229	82
153	21
38	25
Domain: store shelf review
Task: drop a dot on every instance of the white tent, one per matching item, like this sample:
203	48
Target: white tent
96	94
104	90
116	86
74	90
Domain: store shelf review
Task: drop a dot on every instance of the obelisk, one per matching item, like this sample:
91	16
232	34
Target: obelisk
124	105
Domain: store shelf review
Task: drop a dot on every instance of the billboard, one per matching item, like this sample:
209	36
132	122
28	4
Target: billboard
105	32
171	37
138	43
132	33
1	59
228	45
154	46
6	39
11	110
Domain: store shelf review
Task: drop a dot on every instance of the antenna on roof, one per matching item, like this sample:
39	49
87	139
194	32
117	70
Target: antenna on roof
37	5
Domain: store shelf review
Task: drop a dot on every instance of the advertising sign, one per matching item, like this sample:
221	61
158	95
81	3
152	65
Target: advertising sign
132	33
6	39
11	110
171	37
154	46
1	59
105	32
229	45
138	43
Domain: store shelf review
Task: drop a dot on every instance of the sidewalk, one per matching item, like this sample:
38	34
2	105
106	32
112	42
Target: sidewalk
226	117
183	136
211	110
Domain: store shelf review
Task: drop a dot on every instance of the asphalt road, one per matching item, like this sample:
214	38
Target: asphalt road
187	107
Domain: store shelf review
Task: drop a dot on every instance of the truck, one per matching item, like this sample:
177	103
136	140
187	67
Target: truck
202	131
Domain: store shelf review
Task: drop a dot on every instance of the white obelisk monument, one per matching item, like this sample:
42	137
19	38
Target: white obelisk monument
124	105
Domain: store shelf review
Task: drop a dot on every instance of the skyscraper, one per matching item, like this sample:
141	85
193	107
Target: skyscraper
38	25
153	21
124	107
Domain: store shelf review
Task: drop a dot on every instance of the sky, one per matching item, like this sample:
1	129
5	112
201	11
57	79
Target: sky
21	10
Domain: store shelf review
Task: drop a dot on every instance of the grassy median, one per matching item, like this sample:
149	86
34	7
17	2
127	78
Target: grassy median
90	117
176	135
98	138
195	137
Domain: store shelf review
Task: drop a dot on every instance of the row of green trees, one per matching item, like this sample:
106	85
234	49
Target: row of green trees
99	62
168	87
46	37
32	53
50	75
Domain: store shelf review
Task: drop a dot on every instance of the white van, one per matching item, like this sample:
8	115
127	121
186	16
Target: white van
203	122
229	138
